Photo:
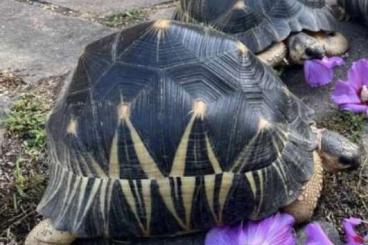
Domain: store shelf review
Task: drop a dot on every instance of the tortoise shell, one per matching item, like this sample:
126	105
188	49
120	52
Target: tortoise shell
169	128
258	23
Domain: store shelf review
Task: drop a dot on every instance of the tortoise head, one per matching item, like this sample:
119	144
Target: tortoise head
304	47
338	152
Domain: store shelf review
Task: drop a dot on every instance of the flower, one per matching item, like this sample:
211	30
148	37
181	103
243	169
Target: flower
316	236
275	230
351	237
352	95
320	72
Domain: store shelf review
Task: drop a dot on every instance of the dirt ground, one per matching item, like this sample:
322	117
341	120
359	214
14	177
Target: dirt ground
23	170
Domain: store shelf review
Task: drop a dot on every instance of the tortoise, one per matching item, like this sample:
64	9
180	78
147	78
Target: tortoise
168	128
273	29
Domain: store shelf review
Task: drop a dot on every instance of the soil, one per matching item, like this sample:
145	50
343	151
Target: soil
23	175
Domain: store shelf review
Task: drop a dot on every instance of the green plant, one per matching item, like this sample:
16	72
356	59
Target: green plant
124	18
19	179
27	119
28	187
347	123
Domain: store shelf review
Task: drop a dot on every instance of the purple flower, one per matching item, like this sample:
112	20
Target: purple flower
351	237
320	72
316	236
352	95
275	230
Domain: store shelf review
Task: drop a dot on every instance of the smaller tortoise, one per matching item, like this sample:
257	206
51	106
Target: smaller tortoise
271	28
168	128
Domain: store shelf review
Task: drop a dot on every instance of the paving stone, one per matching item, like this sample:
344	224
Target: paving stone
41	43
104	7
319	98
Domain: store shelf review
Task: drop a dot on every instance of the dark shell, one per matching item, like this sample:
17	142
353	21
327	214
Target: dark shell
168	128
258	23
356	8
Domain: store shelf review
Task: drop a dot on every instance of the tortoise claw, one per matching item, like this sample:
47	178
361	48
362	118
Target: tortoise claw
45	233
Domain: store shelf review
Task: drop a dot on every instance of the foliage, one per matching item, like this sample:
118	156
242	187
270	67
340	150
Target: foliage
27	120
124	18
347	123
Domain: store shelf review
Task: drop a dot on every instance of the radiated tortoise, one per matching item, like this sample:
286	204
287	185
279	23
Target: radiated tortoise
274	29
169	128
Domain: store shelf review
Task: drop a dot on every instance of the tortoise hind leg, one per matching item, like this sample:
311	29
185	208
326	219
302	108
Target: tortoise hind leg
44	233
302	209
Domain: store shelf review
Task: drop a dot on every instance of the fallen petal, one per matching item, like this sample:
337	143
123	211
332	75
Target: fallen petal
316	235
344	93
224	236
358	74
275	230
351	237
333	61
357	108
317	74
320	72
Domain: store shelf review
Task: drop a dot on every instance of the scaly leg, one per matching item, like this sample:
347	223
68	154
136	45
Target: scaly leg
302	209
45	234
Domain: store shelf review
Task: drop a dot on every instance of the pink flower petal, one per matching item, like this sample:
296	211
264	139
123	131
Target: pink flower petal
320	72
275	230
333	61
351	237
316	74
316	236
344	93
358	74
224	236
351	95
357	108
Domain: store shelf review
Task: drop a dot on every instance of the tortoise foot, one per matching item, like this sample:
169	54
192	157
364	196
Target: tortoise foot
44	233
274	55
302	209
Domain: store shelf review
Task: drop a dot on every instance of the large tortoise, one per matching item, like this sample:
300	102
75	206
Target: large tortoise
271	28
168	128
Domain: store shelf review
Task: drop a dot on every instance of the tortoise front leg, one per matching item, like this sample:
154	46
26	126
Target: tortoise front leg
302	209
45	233
274	55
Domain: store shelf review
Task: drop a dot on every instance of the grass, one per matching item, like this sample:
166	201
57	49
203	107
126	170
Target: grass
345	193
26	120
23	165
124	18
347	123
